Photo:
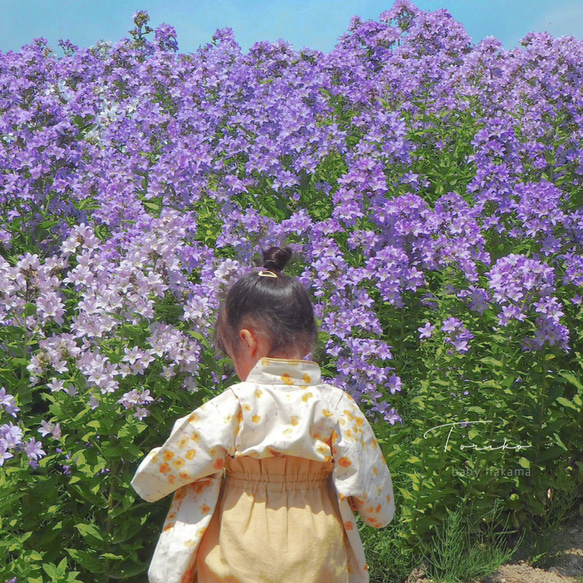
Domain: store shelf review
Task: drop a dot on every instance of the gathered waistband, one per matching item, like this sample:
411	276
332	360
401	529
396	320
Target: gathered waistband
281	474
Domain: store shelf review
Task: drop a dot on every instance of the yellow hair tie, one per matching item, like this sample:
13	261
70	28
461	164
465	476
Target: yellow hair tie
267	274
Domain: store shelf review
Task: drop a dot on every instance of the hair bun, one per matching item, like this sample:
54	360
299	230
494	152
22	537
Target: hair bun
276	258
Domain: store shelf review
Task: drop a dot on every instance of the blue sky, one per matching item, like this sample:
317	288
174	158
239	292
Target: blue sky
305	23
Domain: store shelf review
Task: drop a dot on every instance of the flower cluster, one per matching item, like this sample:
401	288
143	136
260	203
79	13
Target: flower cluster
138	182
522	285
11	436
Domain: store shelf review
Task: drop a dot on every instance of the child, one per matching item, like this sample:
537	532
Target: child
267	473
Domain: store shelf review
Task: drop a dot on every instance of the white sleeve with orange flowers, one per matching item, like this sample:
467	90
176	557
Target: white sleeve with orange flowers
361	478
191	463
195	449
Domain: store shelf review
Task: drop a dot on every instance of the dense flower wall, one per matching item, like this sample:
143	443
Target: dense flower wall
431	188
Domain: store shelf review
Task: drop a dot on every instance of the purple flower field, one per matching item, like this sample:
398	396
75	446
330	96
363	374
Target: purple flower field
432	189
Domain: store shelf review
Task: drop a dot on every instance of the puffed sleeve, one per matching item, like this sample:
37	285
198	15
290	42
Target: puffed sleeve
360	471
196	448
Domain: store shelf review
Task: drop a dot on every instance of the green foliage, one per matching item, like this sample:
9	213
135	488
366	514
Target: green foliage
462	551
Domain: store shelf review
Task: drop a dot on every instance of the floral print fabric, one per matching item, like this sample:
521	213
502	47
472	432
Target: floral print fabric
283	408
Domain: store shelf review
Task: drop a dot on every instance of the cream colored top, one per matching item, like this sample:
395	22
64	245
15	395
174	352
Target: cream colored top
281	409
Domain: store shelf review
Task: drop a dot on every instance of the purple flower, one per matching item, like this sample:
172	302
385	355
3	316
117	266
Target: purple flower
456	334
8	402
426	331
394	384
11	435
53	429
4	453
33	450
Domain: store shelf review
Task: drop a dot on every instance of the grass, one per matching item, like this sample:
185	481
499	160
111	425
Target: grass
463	549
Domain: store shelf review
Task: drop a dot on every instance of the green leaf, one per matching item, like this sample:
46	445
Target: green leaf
569	376
62	567
52	571
90	532
567	403
406	494
112	557
560	441
479	410
489	360
88	561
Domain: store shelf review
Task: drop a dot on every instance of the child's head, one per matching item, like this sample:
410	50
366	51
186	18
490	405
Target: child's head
273	306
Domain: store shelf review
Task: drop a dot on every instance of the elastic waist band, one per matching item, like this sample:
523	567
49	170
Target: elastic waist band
278	482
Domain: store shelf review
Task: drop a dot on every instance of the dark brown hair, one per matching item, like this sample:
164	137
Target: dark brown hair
271	301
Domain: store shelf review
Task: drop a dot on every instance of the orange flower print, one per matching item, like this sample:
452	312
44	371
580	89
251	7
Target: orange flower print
169	526
306	397
256	418
258	393
178	463
295	420
168	455
184	475
344	462
307	378
375	471
287	380
349	415
218	465
164	468
190	454
171	479
205	509
349	526
327	413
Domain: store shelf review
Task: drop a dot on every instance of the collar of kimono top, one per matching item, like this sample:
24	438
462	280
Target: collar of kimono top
280	371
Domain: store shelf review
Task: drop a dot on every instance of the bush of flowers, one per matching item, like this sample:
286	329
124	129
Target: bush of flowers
432	190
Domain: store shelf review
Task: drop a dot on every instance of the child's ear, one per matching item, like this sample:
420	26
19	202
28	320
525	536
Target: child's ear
249	340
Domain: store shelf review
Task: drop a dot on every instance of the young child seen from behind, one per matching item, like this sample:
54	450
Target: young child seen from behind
267	473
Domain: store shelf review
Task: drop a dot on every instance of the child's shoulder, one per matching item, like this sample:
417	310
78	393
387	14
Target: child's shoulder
331	393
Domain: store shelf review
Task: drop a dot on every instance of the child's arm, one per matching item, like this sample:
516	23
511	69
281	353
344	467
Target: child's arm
195	449
360	471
